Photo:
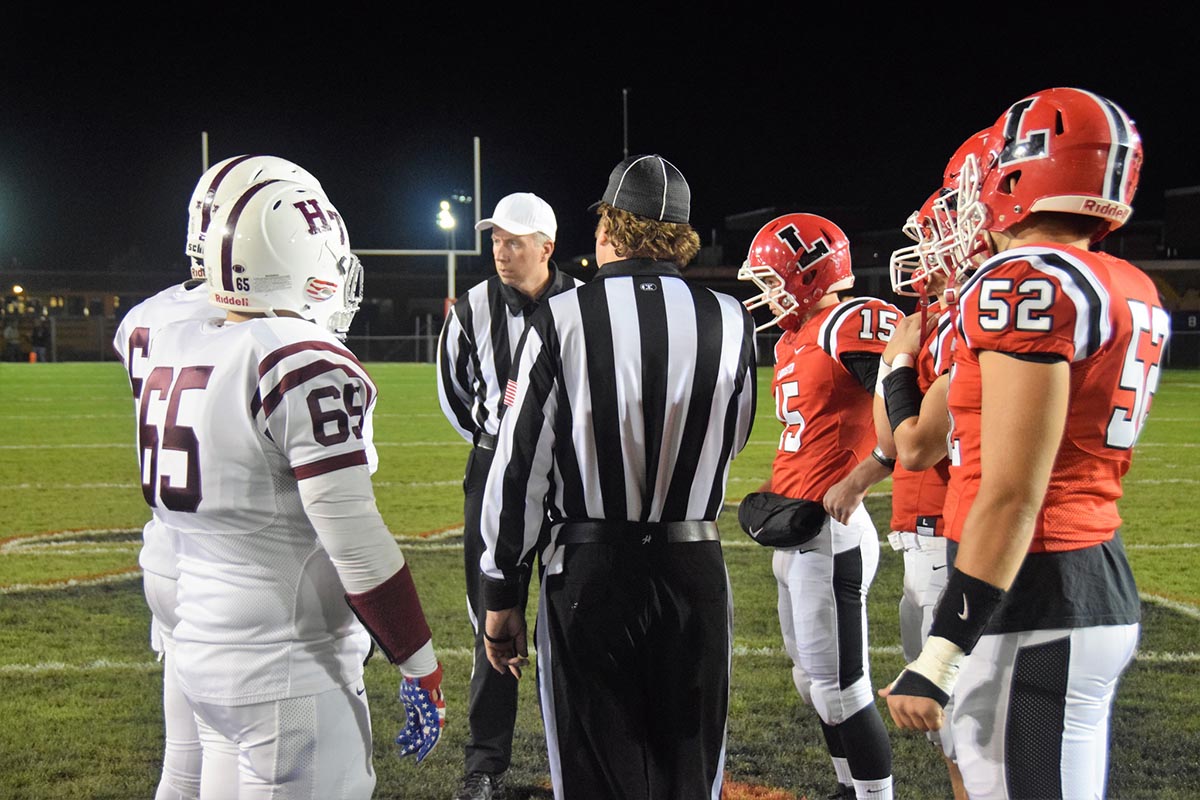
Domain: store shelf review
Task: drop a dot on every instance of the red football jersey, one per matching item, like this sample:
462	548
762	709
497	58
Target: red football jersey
825	410
923	494
1104	316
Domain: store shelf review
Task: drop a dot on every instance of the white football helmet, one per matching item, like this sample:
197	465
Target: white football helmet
282	246
224	181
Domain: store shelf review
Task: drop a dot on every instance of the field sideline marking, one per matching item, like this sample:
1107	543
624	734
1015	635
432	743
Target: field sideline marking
53	542
458	482
49	417
133	445
442	443
99	665
132	485
426	540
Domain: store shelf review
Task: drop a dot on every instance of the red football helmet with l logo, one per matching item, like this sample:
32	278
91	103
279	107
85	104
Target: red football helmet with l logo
795	260
1062	149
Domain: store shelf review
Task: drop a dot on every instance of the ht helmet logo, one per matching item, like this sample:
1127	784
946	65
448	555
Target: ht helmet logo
314	216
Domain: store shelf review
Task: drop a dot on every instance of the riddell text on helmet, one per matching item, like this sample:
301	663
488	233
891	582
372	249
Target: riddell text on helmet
1111	210
230	300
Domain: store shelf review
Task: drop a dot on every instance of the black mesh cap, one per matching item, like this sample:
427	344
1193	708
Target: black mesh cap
649	186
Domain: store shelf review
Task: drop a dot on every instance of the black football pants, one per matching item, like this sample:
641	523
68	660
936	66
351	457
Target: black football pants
635	645
492	697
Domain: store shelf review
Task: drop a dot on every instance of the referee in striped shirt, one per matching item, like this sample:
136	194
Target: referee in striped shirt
475	352
630	397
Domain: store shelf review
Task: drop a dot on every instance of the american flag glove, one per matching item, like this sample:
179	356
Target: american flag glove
425	709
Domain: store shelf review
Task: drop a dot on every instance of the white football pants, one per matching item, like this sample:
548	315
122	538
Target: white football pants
1031	711
822	605
318	746
924	580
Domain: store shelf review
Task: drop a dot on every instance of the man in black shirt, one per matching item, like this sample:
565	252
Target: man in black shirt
478	339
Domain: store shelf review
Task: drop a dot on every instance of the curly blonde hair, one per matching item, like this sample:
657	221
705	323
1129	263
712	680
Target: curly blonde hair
639	237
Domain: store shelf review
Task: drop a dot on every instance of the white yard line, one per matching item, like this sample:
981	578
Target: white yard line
68	543
41	487
741	651
131	445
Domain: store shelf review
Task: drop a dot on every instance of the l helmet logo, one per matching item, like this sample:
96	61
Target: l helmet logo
809	254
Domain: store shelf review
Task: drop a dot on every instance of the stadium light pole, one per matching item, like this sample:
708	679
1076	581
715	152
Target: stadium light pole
466	200
445	221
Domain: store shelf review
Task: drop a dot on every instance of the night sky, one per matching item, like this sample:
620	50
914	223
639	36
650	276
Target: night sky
101	136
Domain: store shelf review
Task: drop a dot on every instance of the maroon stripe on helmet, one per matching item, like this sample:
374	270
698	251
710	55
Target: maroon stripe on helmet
330	464
298	377
227	235
211	194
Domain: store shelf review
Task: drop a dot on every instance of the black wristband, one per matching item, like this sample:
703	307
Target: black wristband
914	684
889	463
499	594
964	609
504	640
901	395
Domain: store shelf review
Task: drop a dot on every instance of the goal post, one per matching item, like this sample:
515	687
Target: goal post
452	253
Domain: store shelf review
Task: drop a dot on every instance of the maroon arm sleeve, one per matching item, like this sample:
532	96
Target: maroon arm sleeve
392	614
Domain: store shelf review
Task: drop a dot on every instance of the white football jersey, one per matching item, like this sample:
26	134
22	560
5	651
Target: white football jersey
231	417
132	343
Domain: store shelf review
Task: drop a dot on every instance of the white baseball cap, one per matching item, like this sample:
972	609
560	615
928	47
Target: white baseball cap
521	213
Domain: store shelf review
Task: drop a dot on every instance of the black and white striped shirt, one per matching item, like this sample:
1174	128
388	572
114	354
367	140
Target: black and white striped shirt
632	394
476	349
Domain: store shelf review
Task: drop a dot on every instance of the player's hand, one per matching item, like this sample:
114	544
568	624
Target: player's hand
908	336
918	697
504	641
842	499
913	712
425	709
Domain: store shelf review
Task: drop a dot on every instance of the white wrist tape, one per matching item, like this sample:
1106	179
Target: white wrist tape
885	369
421	663
939	662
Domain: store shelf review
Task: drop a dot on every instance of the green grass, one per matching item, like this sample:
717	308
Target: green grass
80	691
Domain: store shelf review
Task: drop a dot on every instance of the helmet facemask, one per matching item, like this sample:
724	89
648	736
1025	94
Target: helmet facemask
773	294
350	296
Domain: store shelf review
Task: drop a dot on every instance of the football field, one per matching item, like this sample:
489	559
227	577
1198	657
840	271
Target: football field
80	690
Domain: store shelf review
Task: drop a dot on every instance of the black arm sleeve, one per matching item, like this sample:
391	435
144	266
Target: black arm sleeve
864	366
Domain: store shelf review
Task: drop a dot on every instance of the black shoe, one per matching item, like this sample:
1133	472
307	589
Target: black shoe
843	792
481	786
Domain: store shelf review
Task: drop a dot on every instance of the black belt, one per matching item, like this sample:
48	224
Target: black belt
616	532
485	441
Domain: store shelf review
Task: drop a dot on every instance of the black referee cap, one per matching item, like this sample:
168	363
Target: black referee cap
649	186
